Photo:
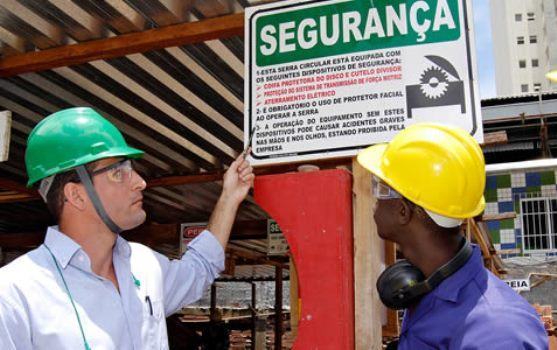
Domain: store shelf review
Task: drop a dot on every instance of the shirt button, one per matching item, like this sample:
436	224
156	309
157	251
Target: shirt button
80	258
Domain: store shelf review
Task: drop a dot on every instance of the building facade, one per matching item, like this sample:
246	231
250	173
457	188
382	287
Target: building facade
525	44
528	199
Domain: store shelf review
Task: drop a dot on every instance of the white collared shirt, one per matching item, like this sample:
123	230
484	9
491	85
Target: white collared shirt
36	312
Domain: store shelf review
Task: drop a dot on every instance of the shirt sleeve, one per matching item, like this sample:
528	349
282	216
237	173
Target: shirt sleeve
14	329
511	328
186	280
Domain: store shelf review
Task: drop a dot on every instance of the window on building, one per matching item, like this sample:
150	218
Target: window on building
520	40
535	62
533	39
531	16
524	87
518	17
537	87
539	224
522	63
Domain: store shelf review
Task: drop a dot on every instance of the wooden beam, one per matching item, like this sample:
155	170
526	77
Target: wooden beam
21	240
294	299
495	138
249	229
502	216
256	258
152	234
23	194
122	45
391	328
18	187
213	176
184	179
367	264
17	198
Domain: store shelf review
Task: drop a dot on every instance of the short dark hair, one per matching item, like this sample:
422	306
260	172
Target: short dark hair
55	197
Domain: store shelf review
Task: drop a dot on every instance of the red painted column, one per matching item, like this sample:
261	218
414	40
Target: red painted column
314	211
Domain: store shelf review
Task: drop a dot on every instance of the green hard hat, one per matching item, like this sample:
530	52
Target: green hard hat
72	137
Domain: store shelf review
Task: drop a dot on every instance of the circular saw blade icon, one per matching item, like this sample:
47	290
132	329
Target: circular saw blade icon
435	89
434	82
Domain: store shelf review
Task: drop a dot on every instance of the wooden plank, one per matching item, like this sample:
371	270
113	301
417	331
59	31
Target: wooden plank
150	234
47	30
495	138
17	198
212	176
212	8
154	234
502	216
24	194
21	240
367	264
255	257
392	327
16	186
11	41
488	251
479	238
5	132
509	251
294	300
122	45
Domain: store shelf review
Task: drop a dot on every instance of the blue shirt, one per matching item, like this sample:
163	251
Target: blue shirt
36	312
472	309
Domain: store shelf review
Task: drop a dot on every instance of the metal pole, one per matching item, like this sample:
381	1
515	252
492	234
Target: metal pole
278	307
213	311
253	312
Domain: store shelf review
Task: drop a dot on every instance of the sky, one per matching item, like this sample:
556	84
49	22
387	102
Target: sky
484	48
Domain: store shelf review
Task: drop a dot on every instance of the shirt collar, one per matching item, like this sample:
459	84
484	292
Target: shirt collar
450	288
62	247
122	248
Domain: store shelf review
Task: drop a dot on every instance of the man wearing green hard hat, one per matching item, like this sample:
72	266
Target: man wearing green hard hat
86	287
427	180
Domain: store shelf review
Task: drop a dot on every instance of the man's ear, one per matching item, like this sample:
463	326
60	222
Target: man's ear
405	212
74	195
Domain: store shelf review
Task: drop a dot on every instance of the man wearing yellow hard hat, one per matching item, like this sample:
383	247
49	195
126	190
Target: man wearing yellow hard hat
427	180
86	287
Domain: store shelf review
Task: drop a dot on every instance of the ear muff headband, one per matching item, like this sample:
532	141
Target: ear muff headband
403	284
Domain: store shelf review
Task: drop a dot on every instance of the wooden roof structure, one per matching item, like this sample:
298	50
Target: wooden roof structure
168	73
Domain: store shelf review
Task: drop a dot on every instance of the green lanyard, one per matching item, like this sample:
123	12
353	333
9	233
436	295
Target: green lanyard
85	343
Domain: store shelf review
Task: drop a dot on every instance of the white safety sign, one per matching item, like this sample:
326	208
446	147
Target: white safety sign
325	79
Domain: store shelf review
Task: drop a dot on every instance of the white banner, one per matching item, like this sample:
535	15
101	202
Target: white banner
325	79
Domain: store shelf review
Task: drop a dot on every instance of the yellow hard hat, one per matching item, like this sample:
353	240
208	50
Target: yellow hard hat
440	168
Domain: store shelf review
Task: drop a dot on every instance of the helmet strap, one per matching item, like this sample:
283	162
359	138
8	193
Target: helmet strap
92	193
45	185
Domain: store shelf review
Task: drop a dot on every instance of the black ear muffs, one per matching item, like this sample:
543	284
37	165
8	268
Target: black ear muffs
403	284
